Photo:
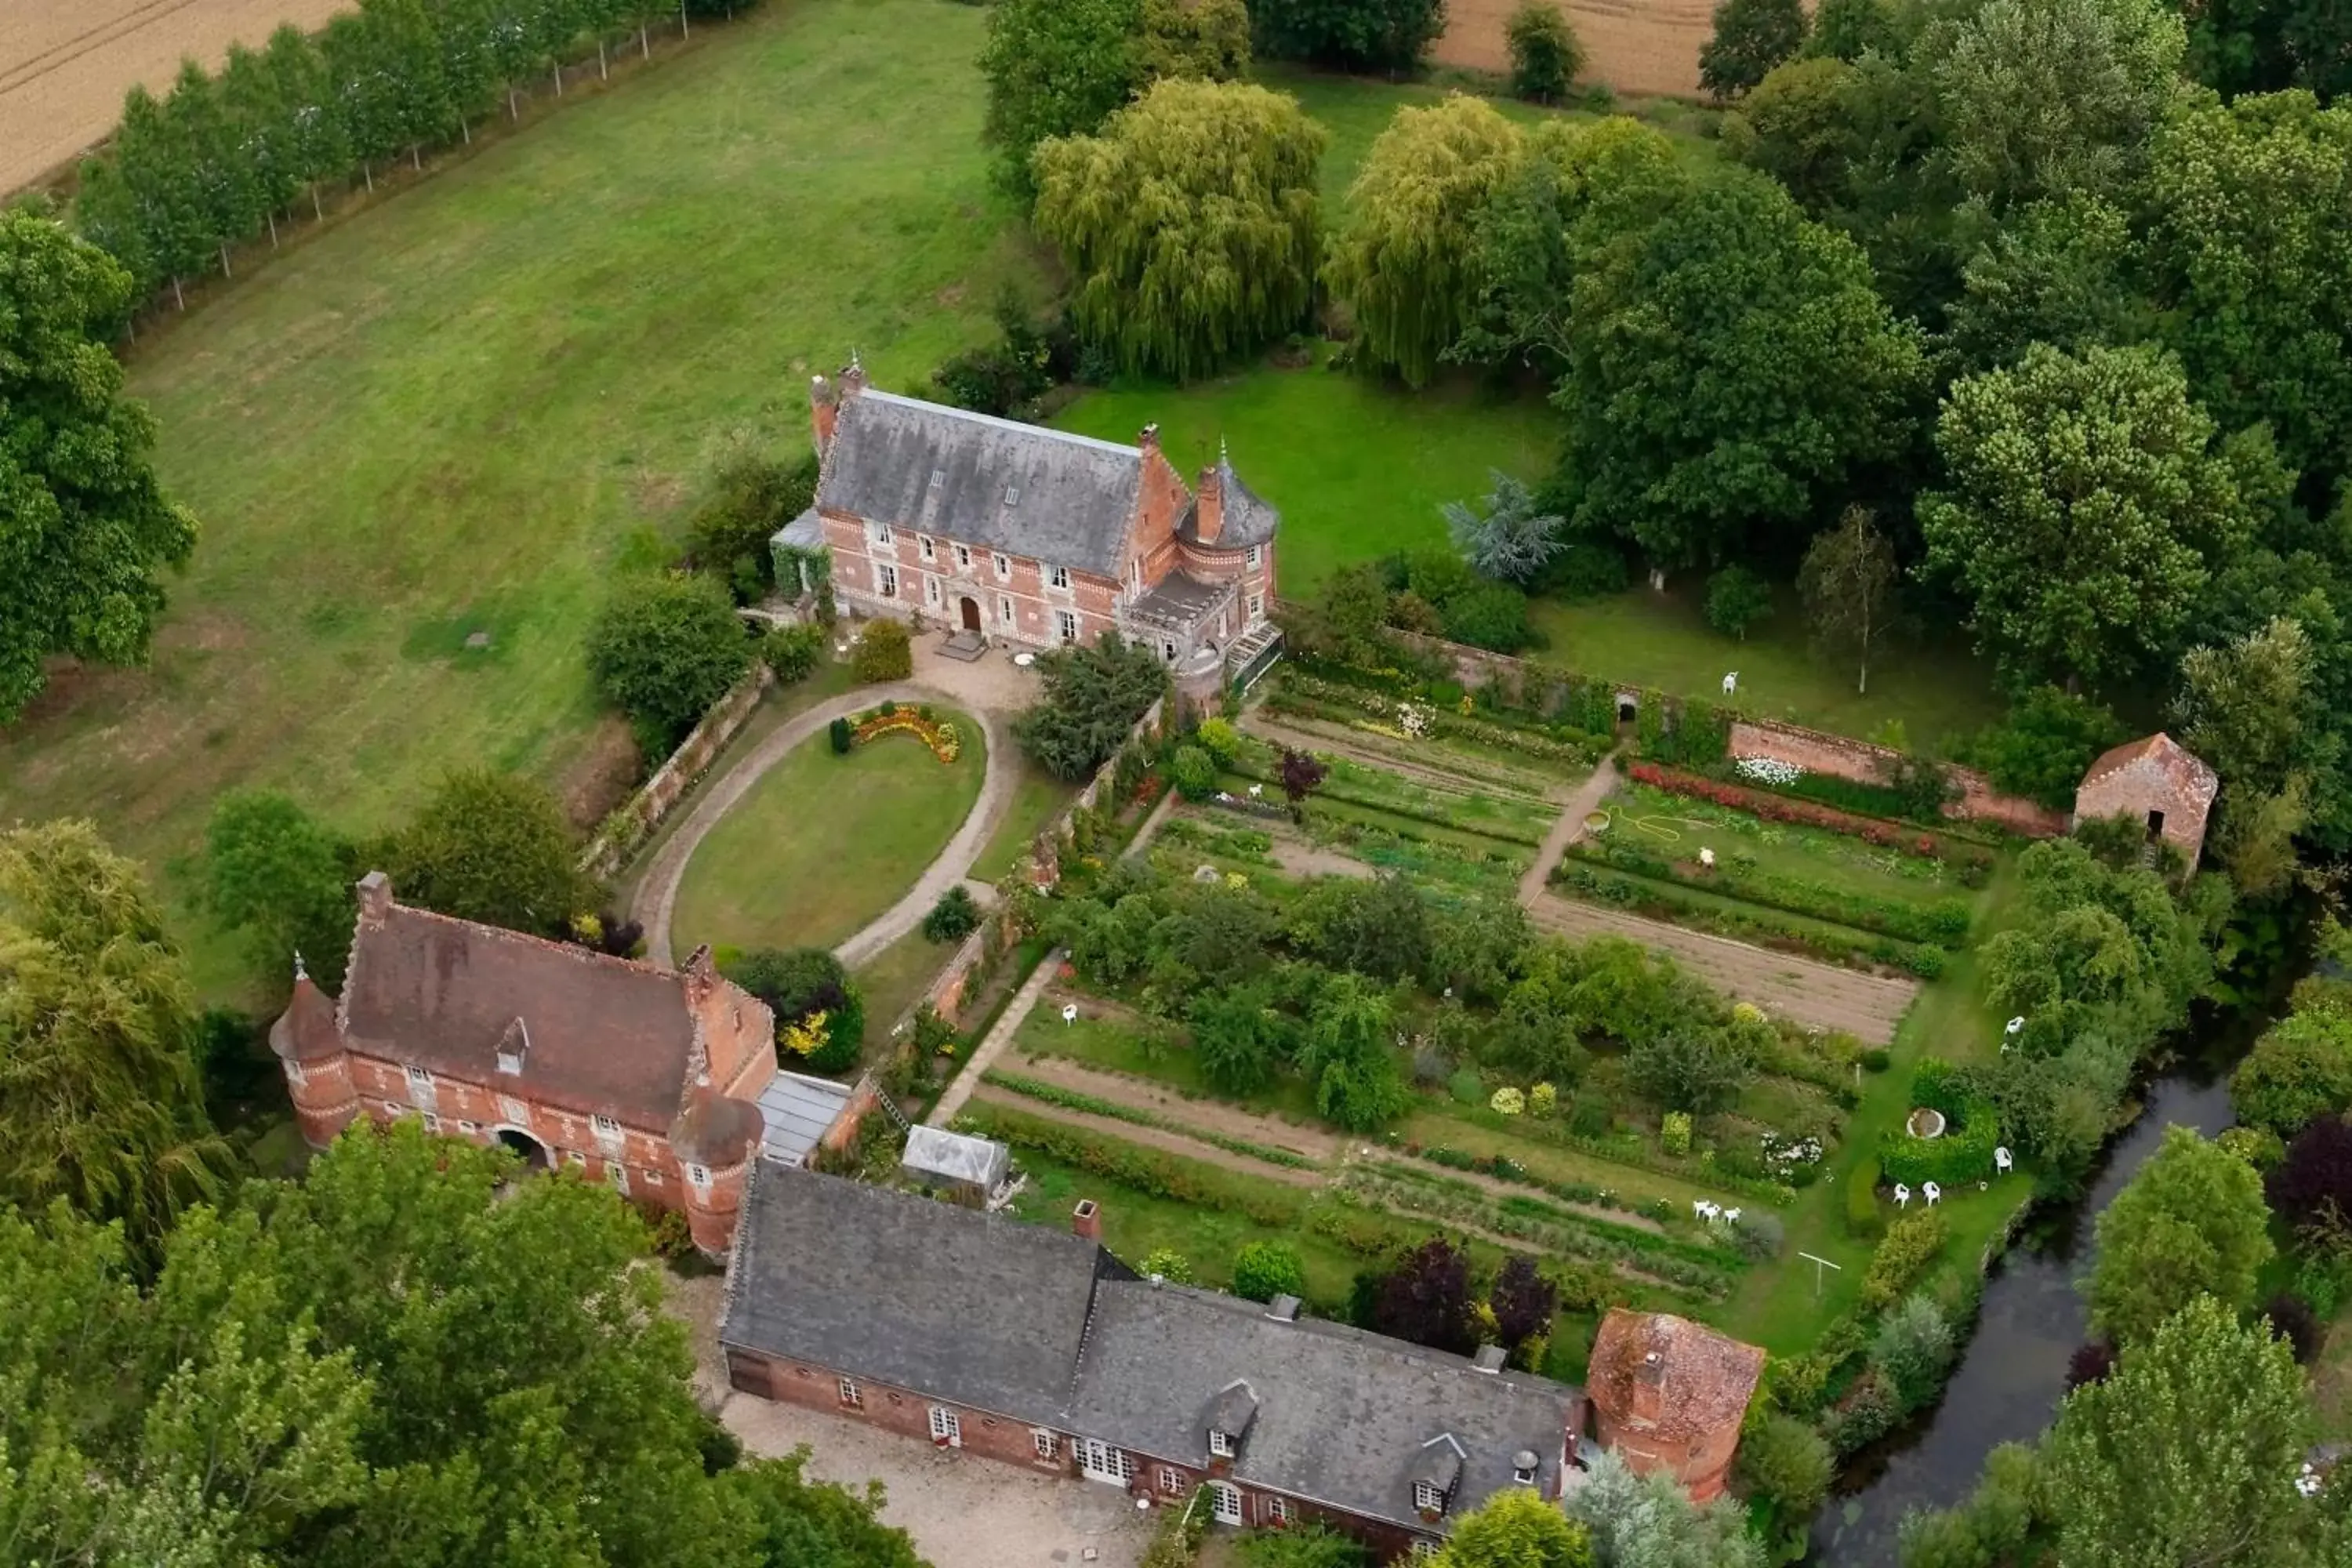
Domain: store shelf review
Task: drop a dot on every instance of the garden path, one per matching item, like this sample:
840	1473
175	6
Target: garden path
1337	740
1867	1006
1569	828
1503	1189
1008	1024
1160	1138
656	899
1213	1116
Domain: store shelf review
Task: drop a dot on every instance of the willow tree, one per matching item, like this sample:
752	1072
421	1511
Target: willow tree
1404	262
1192	224
99	1100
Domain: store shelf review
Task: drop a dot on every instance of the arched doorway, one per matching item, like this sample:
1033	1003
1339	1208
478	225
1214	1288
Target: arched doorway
533	1152
971	614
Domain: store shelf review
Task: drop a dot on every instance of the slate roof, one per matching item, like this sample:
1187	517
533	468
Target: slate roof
1343	1417
608	1036
1247	517
2183	772
1070	497
1178	600
1045	1327
975	1308
806	532
1705	1379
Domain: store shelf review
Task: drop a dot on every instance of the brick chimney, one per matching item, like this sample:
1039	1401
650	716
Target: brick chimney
1146	440
376	900
1085	1220
1209	506
1649	1387
701	976
825	412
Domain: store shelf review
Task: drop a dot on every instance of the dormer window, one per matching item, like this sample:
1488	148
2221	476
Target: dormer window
1058	577
1427	1498
1003	567
1221	1444
1012	495
513	1046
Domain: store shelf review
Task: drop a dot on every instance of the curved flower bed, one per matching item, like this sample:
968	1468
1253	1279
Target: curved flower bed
938	734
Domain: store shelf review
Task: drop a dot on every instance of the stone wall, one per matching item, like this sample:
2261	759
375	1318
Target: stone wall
1841	757
633	823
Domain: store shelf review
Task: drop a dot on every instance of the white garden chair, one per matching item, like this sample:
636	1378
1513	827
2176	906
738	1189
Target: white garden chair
1902	1197
1934	1194
2002	1161
1069	1013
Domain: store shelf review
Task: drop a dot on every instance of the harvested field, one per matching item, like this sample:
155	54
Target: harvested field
1634	45
1866	1007
66	64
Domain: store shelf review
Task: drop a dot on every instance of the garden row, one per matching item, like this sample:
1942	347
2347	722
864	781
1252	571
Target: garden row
1673	901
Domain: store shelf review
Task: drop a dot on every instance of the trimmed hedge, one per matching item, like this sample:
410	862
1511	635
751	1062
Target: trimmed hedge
1147	1170
1668	900
1943	924
1913	1244
1971	1132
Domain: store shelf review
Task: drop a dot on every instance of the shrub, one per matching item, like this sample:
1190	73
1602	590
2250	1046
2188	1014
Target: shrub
1964	1154
1697	1070
1165	1263
662	651
843	736
1194	773
1737	598
1546	54
1466	1087
2312	1185
2090	1363
1265	1270
1912	1244
1913	1350
884	651
1675	1132
792	652
2044	746
1492	616
955	917
2292	1321
1220	740
1093	698
2300	1068
1783	1460
800	984
1877	1058
1863	1218
746	495
1867	1413
999	378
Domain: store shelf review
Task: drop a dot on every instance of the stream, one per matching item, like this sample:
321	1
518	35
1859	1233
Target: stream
2013	1372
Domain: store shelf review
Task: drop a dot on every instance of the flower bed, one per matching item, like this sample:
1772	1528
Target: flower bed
1784	808
1414	718
938	734
1944	923
1745	923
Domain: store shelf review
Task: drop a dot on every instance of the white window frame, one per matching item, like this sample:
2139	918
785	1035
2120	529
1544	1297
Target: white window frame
1066	626
1003	565
1254	556
1058	577
930	551
879	532
1006	615
963	556
432	1123
617	1175
1273	1511
931	592
1257	606
1171	1482
1225	1503
886	579
603	1126
1047	1443
1427	1498
946	1423
1221	1444
1523	1477
418	1077
697	1176
851	1399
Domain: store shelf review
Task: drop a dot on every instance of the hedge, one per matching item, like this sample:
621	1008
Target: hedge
1669	900
1145	1170
1912	1244
1862	1216
1943	924
1971	1132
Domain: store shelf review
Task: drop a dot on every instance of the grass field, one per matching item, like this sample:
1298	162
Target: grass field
822	844
1036	801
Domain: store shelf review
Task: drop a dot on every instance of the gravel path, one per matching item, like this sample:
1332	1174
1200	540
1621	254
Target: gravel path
1337	740
1867	1006
656	899
1159	1138
1213	1116
1569	828
1008	1024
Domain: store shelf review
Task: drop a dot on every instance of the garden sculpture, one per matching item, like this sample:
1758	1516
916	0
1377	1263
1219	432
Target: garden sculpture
1069	1013
1933	1193
1732	684
1731	1216
1257	792
1707	858
1706	1210
2002	1161
1902	1197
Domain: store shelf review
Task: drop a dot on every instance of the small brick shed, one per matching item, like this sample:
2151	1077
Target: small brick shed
2154	780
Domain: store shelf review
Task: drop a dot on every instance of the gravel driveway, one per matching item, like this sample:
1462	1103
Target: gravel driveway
963	1511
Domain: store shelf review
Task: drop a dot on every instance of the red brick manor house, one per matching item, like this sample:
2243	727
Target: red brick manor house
1019	533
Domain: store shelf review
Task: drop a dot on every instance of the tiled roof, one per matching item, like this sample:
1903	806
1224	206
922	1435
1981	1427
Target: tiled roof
1704	1379
607	1037
1019	488
2185	772
1247	517
306	1030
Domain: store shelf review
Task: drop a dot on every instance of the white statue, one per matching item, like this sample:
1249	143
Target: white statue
1935	1194
1732	684
1257	792
2016	1025
1902	1197
1731	1216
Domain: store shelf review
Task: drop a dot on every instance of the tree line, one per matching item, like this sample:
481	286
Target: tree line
215	162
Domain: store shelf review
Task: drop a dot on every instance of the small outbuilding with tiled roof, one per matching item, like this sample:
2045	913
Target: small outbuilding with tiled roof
1670	1394
2154	781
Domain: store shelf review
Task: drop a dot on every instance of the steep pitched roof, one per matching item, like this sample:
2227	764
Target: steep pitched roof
976	1307
1704	1379
1246	517
1022	489
1342	1416
608	1036
2185	773
306	1030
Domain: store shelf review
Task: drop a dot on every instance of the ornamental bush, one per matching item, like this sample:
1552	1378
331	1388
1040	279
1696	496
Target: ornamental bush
955	917
792	652
801	982
663	650
1265	1270
1912	1244
1196	774
842	735
884	651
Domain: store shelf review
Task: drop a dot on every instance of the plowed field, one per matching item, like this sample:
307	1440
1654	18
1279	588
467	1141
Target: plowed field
66	64
1634	46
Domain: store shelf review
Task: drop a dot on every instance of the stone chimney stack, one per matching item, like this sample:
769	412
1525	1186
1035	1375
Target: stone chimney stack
1148	440
1085	1220
1209	506
375	899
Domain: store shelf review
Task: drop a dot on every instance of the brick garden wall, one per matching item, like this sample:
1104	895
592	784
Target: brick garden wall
1863	762
630	826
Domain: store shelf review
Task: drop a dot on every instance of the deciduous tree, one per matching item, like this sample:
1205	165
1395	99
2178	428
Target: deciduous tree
492	847
1649	1521
1751	38
1092	697
1426	1298
1786	1460
1203	40
663	649
1353	35
1404	262
1546	53
2083	504
84	526
1192	224
2300	1068
1054	67
2190	1224
2311	1188
798	986
1515	1528
277	874
1848	586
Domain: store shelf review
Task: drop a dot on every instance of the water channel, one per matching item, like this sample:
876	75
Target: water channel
2013	1372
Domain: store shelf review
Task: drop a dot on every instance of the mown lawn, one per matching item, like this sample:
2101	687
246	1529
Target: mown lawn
1037	800
890	982
456	411
822	844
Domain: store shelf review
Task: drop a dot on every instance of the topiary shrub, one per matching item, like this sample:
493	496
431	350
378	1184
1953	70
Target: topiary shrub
955	917
1194	772
1265	1270
884	651
842	735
